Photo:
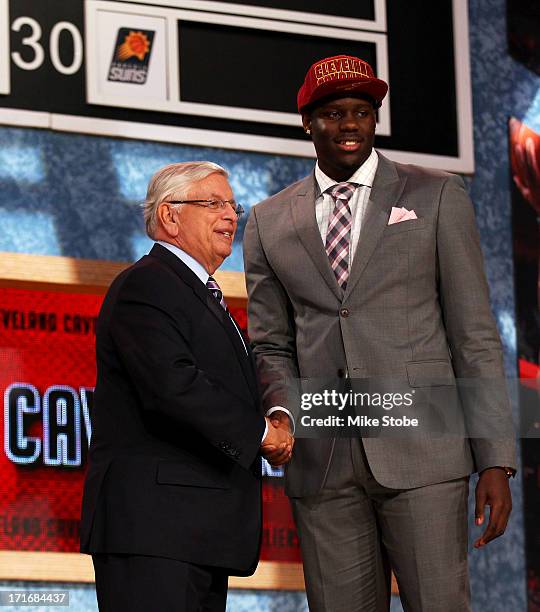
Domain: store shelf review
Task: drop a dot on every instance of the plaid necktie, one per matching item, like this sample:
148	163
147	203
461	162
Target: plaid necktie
338	236
215	290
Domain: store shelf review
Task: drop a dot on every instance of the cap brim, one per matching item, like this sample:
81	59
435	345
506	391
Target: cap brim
375	88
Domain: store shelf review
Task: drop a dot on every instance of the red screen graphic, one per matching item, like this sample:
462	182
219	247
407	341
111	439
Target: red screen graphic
47	376
47	357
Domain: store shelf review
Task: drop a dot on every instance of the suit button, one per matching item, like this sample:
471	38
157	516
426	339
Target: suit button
341	373
344	312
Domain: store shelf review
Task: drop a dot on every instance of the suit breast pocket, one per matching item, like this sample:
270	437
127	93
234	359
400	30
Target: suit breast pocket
404	226
190	475
399	236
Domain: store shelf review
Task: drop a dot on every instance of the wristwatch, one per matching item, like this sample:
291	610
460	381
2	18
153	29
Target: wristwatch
510	472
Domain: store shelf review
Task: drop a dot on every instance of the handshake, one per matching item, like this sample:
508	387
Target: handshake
278	443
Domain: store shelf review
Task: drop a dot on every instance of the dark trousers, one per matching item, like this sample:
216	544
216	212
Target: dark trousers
137	583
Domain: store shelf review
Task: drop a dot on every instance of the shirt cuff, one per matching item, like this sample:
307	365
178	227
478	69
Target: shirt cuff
276	408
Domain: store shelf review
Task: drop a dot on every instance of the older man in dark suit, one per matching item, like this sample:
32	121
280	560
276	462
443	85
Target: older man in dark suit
172	497
369	269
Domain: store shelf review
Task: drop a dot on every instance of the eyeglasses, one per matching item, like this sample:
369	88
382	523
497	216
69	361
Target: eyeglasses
213	205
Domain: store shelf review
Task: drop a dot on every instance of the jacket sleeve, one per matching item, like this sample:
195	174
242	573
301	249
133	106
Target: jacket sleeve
270	325
471	330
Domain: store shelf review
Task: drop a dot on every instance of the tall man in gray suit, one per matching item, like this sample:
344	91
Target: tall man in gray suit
369	268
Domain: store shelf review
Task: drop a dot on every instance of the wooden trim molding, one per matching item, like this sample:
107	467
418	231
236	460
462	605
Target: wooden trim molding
75	567
48	272
272	575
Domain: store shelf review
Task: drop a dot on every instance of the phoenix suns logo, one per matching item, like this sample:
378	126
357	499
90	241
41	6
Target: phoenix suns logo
131	56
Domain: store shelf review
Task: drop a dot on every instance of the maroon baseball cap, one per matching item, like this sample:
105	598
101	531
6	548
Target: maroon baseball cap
340	74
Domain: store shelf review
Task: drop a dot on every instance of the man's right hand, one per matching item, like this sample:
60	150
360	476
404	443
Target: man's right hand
278	443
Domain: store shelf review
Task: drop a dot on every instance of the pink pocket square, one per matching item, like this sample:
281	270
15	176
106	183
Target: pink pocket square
401	214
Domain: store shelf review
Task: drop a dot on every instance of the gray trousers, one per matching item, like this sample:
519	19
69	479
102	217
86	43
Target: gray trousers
355	531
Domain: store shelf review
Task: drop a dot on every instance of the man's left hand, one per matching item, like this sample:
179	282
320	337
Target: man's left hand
492	490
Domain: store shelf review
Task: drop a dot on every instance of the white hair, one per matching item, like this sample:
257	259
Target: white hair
174	182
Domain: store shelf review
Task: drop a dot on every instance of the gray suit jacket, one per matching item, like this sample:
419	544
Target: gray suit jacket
417	307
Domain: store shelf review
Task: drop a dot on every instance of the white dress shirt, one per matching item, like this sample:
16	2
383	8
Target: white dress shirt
324	203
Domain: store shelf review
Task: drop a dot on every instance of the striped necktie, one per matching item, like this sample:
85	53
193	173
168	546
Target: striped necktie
338	236
215	290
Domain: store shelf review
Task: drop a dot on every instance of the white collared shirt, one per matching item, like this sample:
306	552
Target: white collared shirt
324	203
190	262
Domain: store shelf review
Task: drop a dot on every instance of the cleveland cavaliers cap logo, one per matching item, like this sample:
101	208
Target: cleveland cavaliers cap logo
131	56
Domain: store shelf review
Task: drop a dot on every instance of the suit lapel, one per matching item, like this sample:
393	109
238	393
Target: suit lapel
190	278
386	190
305	223
212	304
